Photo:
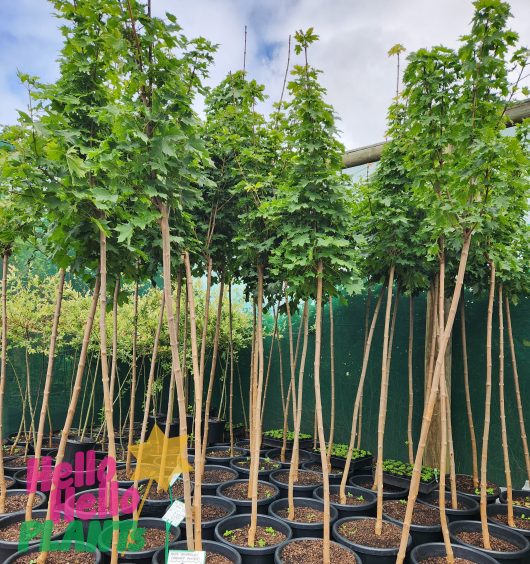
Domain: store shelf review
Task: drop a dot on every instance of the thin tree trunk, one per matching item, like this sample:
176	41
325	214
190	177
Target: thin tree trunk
332	378
487	417
114	363
320	418
206	316
275	336
469	409
133	380
91	407
502	411
30	401
358	397
3	489
433	394
76	391
231	353
517	388
410	440
382	406
46	394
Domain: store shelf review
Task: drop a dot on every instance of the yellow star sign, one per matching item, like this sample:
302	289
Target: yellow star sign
160	458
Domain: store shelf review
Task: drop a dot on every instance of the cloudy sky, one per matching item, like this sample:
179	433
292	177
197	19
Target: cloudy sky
355	36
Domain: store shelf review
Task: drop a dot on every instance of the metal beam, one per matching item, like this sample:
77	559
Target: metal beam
372	153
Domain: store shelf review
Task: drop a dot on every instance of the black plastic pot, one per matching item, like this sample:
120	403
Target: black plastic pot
223	460
403	482
357	480
252	555
299	491
216	429
367	509
245	472
278	558
11	468
421	534
278	443
10	482
137	556
300	530
207	545
369	554
211	488
75	445
517	539
244	505
490	498
208	527
7	548
359	465
501	509
157	507
15	491
160	420
515	493
98	559
334	477
303	456
21	481
124	484
471	511
437	549
245	445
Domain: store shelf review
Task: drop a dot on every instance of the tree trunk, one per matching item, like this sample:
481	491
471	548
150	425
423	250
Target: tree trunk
76	390
320	419
3	488
427	414
231	353
502	412
332	377
114	363
517	388
269	361
410	441
382	408
46	394
469	409
133	379
358	397
175	361
206	316
487	416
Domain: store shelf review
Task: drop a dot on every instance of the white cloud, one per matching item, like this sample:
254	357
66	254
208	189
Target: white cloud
354	39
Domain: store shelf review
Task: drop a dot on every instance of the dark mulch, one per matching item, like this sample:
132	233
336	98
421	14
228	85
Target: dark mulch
11	532
316	467
465	485
15	452
369	484
210	512
18	502
18	462
310	552
423	514
156	538
177	490
216	476
497	544
59	557
225	453
239	491
212	558
519	522
303	514
522	501
305	478
265	536
448	503
301	458
351	499
361	531
264	464
122	476
443	560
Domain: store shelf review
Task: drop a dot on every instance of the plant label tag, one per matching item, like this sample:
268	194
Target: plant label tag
185	557
175	515
174	478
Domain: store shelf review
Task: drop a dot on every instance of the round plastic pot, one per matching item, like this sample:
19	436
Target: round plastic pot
244	505
244	444
490	498
471	511
11	482
367	509
124	484
357	480
207	545
216	429
299	491
503	496
334	478
211	488
12	470
157	507
21	481
501	509
278	555
223	460
16	491
56	545
208	527
7	548
502	532
245	472
137	556
304	456
300	530
368	554
252	555
437	550
421	534
75	445
160	420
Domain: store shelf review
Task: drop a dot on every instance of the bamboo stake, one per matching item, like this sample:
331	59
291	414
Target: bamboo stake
332	378
133	380
231	353
3	489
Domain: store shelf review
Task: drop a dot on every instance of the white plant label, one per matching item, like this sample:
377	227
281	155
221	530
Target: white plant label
175	515
185	557
174	478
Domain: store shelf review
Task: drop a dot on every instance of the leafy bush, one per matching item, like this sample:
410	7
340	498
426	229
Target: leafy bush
404	470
